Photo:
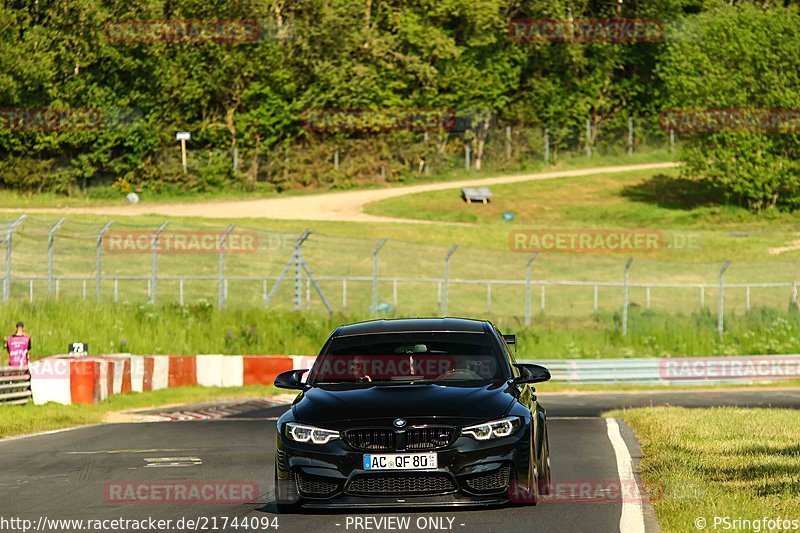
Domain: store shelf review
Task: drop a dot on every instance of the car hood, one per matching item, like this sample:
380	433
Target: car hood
335	405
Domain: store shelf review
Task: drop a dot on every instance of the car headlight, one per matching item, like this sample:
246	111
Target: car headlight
302	433
493	430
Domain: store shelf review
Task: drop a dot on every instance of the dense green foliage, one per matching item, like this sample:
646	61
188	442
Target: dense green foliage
248	96
740	58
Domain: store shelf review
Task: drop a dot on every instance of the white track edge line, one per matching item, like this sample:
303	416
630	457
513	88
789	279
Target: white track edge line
632	517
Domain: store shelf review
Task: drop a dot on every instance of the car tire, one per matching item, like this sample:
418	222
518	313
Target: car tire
285	495
545	484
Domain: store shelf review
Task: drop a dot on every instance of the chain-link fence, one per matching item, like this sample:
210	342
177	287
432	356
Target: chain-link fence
243	266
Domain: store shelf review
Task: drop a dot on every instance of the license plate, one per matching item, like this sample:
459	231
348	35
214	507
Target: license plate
400	461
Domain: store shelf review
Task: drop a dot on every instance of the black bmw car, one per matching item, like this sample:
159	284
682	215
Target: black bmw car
431	411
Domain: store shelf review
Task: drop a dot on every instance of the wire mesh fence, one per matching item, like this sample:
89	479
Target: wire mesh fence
243	266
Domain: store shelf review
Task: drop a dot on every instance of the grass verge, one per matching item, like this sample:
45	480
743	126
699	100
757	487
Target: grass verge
719	462
201	328
29	418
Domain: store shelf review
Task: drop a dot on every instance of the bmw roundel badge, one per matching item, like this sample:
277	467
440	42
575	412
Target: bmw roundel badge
399	422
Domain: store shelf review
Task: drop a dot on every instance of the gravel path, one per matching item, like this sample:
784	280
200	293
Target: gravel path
345	206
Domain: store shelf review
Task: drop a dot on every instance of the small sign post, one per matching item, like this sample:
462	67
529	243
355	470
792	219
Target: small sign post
78	349
183	136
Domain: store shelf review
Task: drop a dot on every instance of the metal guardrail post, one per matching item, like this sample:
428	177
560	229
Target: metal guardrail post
51	234
375	276
450	253
99	268
9	248
221	292
625	297
528	269
721	300
154	273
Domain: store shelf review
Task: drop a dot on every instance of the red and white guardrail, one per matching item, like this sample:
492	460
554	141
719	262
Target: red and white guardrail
69	379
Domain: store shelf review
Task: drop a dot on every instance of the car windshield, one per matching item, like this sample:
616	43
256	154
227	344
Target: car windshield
409	357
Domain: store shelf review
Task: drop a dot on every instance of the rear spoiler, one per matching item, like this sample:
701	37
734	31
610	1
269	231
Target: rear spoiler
510	339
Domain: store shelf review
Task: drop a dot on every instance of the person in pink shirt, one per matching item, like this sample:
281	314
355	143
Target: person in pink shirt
18	345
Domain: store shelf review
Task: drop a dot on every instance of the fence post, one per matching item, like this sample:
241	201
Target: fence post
154	274
298	270
630	135
51	233
9	249
721	299
375	276
508	143
625	297
528	269
221	292
671	140
450	252
588	138
489	297
546	146
747	299
100	235
467	156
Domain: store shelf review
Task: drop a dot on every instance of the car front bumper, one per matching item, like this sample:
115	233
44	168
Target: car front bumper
469	472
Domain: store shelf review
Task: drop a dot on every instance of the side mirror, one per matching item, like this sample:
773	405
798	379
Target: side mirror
511	340
530	373
290	379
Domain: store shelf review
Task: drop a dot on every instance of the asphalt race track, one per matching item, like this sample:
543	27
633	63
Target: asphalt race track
73	474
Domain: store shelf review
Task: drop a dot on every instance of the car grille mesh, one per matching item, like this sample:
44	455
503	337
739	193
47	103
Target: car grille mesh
400	484
371	439
416	438
428	438
314	486
493	481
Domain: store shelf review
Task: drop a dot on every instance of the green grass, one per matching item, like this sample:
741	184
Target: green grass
189	330
723	462
29	418
657	200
